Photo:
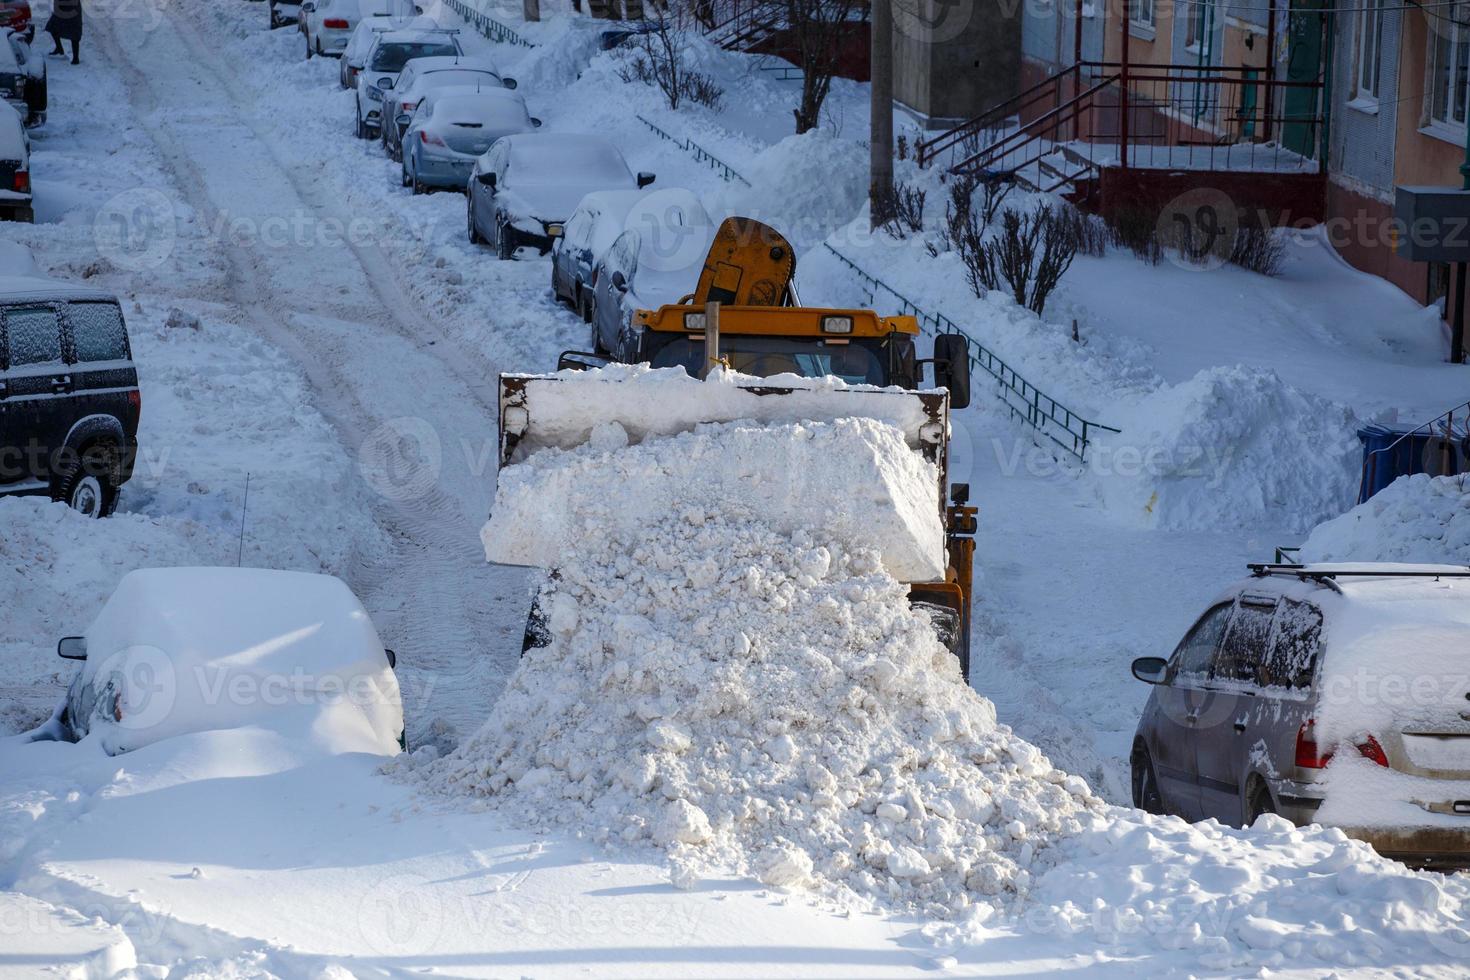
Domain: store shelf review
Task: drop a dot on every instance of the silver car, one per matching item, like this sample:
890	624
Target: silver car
451	128
1336	694
390	51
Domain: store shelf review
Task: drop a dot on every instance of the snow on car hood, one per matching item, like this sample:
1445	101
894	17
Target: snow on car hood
178	650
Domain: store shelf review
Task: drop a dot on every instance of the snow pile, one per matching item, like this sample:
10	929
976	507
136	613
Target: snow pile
1416	518
805	186
1233	446
759	698
856	477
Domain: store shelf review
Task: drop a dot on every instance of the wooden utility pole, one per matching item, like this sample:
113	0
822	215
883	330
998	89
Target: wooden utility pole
532	9
880	179
711	338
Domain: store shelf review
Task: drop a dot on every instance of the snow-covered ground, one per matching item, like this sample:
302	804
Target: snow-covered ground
345	358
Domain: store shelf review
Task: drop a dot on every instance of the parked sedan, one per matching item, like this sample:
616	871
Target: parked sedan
452	127
655	262
328	24
15	172
23	79
588	234
422	76
524	188
1330	694
363	36
391	50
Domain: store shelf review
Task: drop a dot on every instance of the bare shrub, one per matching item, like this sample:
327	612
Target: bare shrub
701	89
658	57
902	210
993	191
1258	250
1028	256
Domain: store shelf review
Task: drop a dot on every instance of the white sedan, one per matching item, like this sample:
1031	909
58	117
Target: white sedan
361	39
328	24
181	650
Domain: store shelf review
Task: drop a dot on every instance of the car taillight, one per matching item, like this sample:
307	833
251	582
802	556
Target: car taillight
135	404
430	138
23	181
335	23
1307	756
1310	756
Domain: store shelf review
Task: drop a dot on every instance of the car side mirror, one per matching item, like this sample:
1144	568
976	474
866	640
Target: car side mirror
385	83
308	7
644	179
575	360
535	122
620	281
402	119
1150	670
952	367
488	179
509	82
392	658
72	648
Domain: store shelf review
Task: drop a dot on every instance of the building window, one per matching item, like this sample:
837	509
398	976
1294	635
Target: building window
1198	23
1370	50
1141	12
1449	59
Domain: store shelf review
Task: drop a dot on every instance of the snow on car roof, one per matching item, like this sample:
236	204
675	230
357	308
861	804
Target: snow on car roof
446	62
566	158
414	35
21	279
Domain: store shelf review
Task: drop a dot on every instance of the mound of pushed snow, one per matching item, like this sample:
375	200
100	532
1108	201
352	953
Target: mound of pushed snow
1233	446
760	700
808	186
1414	519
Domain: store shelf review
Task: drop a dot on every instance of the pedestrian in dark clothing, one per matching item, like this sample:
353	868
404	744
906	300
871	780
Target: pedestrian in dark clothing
66	22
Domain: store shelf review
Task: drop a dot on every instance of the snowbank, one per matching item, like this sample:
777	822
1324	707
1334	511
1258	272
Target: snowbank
805	186
1233	446
1416	518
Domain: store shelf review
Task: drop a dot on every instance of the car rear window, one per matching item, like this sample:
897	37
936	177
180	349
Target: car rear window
392	57
98	332
1292	659
33	335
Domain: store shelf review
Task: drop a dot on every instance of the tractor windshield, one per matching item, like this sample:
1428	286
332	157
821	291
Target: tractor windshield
854	360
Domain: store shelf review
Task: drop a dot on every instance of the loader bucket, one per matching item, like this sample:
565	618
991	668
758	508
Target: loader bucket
562	410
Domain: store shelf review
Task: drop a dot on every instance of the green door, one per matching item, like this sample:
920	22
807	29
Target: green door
1303	64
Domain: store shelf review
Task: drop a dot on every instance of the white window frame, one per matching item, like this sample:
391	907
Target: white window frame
1368	71
1142	14
1194	24
1447	126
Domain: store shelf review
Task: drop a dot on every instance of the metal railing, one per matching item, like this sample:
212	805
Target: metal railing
686	144
486	25
1451	445
1025	401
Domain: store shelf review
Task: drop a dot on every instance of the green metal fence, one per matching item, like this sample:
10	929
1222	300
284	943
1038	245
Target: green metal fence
487	25
1025	401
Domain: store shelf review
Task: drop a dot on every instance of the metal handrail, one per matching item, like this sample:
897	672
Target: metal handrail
929	149
1427	428
1024	400
700	153
1067	111
487	26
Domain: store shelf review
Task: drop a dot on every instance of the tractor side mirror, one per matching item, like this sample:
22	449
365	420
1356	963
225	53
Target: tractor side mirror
644	179
952	367
72	648
575	360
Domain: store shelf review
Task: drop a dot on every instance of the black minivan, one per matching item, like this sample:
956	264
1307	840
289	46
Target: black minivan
69	399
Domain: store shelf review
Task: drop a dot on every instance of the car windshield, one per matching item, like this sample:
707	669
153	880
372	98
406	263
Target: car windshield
762	357
392	57
591	164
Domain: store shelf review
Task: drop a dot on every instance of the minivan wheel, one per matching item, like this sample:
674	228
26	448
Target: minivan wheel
87	488
1146	795
1260	803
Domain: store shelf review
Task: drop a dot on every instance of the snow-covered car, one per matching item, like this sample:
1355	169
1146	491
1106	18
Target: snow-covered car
1336	694
361	38
15	169
390	51
23	79
451	128
176	651
654	262
524	188
327	25
16	16
424	75
587	235
283	12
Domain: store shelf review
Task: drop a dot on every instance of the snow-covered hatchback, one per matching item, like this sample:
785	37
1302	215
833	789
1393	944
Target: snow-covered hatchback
1336	694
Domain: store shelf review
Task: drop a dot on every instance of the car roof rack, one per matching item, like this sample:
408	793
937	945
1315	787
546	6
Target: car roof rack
1261	569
